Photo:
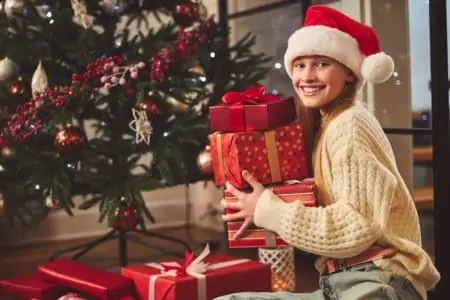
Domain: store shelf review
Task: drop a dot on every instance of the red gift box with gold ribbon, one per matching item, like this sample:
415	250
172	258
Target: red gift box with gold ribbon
270	156
30	286
251	110
202	278
253	237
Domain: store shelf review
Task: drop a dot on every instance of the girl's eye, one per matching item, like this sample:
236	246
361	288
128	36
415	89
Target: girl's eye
299	65
322	64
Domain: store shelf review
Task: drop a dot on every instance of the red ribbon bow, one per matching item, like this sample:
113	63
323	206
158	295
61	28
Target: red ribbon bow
237	100
252	95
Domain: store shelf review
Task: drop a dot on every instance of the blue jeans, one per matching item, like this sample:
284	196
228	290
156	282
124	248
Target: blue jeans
361	282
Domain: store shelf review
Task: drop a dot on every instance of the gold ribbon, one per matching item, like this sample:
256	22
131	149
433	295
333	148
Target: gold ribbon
220	156
272	155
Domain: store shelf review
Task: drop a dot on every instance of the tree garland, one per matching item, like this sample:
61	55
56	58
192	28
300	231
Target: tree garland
33	114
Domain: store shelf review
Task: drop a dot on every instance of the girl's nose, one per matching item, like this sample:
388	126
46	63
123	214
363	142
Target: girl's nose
308	75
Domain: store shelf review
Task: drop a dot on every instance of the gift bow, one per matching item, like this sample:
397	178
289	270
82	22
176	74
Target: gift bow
191	267
252	95
237	100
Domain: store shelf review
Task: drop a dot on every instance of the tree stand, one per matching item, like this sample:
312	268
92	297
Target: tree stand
122	236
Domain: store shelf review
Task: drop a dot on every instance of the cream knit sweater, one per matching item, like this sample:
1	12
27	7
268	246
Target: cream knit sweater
371	203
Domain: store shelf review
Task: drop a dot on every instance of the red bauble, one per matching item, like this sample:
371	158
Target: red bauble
126	219
15	89
186	14
70	141
150	107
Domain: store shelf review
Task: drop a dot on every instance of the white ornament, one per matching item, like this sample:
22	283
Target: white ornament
8	69
80	13
142	126
39	81
12	7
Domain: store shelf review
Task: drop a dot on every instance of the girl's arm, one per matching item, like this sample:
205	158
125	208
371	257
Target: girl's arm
363	189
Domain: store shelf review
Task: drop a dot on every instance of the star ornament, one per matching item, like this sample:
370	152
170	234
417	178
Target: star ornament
142	126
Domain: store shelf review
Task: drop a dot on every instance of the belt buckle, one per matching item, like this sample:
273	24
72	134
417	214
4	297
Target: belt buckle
340	264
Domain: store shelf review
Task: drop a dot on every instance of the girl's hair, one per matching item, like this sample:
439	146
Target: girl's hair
314	126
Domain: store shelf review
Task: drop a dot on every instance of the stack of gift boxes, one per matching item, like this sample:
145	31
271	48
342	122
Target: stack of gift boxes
257	132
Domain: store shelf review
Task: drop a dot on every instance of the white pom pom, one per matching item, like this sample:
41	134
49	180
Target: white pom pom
377	68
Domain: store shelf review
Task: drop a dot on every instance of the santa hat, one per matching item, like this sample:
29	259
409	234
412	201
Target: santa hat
328	32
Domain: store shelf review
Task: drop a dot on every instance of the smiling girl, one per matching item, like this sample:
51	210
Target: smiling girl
366	231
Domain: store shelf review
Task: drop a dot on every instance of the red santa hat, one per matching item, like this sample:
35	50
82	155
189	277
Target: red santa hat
328	32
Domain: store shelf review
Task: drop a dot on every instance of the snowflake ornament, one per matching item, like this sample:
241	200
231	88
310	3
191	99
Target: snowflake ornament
142	126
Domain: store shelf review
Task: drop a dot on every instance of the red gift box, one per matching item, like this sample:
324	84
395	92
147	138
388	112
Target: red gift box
271	156
254	237
30	286
202	278
86	279
251	110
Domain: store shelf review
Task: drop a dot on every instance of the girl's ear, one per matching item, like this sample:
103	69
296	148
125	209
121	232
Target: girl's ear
350	77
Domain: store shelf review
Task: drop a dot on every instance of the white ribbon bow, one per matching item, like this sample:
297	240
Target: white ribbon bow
196	269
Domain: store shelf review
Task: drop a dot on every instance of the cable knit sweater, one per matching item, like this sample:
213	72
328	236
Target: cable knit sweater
371	203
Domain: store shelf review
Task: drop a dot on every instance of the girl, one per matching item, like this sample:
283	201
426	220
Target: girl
366	232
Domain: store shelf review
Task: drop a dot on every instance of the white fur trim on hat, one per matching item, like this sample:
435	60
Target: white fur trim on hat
324	41
340	46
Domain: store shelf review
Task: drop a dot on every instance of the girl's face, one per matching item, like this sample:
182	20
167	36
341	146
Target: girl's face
318	80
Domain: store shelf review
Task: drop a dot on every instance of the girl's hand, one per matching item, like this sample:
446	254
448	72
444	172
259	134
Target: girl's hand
245	205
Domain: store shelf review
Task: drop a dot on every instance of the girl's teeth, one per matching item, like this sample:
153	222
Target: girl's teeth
311	89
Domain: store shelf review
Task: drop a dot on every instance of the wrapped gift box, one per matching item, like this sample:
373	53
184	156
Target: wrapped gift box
206	278
86	279
271	156
254	237
251	110
30	286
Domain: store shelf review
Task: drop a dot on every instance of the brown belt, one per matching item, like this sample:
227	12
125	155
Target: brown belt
371	254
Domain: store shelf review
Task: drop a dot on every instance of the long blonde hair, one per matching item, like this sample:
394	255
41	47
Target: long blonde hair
314	126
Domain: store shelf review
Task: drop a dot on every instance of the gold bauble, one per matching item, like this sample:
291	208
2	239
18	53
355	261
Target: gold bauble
177	106
204	161
7	151
197	69
2	206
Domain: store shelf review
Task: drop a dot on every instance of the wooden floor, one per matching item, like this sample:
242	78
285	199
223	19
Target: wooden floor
25	259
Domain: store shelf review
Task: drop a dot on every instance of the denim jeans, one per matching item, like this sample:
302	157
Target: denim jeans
361	282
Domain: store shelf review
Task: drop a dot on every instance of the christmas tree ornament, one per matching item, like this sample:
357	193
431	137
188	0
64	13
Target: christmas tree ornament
80	13
114	7
39	81
2	206
197	70
126	218
15	89
7	152
204	161
8	70
142	126
52	203
177	106
149	106
12	7
186	14
70	140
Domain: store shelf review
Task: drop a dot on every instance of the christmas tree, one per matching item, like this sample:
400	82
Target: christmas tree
92	107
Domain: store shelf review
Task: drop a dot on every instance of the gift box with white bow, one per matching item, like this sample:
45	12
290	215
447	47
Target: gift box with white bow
202	278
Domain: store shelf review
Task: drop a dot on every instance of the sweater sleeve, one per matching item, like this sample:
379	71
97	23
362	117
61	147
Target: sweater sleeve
363	189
